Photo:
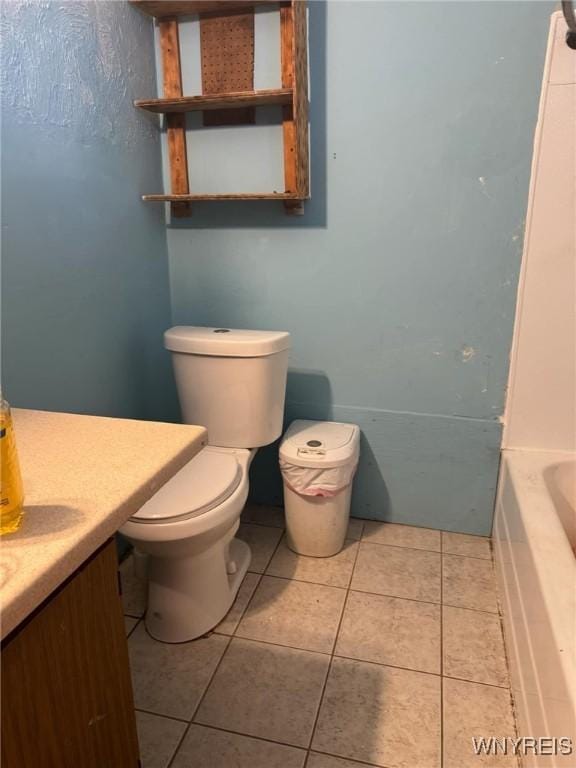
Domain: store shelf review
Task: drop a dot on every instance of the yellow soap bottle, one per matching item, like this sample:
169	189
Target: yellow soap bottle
11	489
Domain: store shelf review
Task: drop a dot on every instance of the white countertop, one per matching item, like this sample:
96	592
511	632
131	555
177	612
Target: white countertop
84	476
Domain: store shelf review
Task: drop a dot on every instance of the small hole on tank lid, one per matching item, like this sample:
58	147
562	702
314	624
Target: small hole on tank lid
222	330
314	443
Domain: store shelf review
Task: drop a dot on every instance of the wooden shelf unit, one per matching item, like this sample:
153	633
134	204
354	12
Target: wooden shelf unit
222	196
292	97
163	9
237	100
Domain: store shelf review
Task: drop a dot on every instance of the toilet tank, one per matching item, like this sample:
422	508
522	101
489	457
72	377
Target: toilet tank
233	382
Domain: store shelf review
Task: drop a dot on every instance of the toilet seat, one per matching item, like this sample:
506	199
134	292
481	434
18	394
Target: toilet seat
201	485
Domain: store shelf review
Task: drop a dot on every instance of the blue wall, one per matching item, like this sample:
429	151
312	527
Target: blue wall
398	285
85	280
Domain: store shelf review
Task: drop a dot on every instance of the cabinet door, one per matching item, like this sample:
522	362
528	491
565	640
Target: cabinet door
66	690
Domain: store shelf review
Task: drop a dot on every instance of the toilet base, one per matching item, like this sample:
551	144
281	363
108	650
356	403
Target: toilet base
187	597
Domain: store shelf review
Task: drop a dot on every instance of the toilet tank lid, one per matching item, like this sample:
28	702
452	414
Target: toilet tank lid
225	342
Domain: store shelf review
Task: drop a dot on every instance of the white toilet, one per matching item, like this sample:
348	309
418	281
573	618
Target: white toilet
232	382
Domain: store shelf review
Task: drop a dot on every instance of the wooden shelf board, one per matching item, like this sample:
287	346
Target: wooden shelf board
170	8
216	101
238	196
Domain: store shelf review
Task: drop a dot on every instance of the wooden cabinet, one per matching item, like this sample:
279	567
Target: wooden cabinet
66	690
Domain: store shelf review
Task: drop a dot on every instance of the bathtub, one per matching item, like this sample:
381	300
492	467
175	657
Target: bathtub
534	545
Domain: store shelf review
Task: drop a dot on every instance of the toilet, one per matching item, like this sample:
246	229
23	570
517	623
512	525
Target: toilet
233	382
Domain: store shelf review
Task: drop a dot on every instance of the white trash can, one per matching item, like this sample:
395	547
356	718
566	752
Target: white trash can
318	460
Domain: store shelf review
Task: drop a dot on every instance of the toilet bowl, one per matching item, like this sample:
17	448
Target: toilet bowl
233	382
195	565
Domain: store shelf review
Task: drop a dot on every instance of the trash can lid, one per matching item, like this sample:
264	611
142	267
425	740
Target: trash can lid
320	444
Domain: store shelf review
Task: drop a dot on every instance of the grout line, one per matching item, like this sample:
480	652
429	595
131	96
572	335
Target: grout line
425	602
399	546
422	549
157	714
134	615
272	556
391	666
332	655
468	557
263	525
303	581
505	649
395	597
323	691
421	671
279	645
260	577
276	546
134	627
247	736
201	699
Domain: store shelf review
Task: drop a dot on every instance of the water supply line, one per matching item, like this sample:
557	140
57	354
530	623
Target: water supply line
570	16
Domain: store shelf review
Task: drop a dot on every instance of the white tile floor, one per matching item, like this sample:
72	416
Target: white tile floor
389	654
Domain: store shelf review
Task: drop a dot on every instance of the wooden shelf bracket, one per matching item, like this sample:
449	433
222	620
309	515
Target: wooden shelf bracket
175	121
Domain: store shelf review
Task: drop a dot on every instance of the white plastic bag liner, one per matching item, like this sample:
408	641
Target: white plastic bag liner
317	482
319	458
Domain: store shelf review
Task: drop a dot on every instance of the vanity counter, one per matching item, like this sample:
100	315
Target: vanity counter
83	476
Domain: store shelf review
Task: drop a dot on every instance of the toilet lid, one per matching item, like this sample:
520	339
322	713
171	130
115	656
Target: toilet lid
202	484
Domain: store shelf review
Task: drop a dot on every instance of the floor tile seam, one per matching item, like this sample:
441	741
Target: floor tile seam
200	700
423	549
345	603
145	711
507	663
387	664
221	729
134	615
325	683
133	628
506	654
263	525
335	655
472	610
260	577
265	567
304	581
476	682
416	600
400	546
272	556
393	597
420	671
467	608
367	540
216	631
278	645
468	557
